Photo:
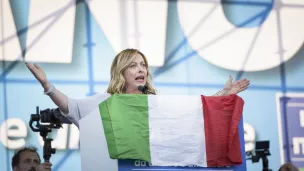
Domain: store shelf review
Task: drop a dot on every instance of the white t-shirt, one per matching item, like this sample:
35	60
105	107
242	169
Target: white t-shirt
79	108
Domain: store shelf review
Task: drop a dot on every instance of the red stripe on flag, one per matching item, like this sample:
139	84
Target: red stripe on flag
222	115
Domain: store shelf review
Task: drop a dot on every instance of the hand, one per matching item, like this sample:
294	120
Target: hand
236	86
39	74
46	166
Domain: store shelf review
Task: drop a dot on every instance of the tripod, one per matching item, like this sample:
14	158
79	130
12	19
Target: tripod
265	164
261	151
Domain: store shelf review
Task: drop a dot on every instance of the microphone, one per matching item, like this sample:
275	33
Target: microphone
144	90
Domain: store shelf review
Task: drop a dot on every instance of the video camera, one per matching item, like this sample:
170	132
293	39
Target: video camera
55	119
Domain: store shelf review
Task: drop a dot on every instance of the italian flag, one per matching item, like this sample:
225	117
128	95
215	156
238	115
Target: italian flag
168	130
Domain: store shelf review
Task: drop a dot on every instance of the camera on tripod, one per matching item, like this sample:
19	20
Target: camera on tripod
51	119
261	152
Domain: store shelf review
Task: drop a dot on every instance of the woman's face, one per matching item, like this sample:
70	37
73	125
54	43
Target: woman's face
135	75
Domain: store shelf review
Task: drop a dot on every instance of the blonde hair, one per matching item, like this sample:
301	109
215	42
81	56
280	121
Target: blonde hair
119	65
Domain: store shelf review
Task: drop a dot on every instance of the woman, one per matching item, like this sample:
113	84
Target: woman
129	70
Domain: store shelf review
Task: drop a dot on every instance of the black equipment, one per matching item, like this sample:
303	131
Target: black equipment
261	151
145	90
55	120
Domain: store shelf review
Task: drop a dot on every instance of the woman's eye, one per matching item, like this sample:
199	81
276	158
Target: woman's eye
132	66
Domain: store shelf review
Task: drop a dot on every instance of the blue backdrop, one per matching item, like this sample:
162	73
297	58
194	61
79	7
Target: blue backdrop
184	72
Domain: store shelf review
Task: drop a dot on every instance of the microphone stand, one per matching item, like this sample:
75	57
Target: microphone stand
150	92
144	90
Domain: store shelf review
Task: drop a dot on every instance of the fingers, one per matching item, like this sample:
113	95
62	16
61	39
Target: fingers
38	67
28	65
35	69
47	165
31	68
230	78
243	88
244	83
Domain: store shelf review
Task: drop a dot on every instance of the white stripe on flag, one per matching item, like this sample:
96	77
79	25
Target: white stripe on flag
177	135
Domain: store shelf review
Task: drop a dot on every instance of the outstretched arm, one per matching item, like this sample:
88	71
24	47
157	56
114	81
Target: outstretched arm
57	97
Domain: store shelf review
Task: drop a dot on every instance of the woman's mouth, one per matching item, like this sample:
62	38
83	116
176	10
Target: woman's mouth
140	79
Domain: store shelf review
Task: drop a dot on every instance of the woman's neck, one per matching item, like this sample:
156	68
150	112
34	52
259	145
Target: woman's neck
128	91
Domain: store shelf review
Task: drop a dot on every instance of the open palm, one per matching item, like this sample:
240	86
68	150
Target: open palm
236	86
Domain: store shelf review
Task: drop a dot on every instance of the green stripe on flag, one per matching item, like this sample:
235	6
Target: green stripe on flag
108	129
125	120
